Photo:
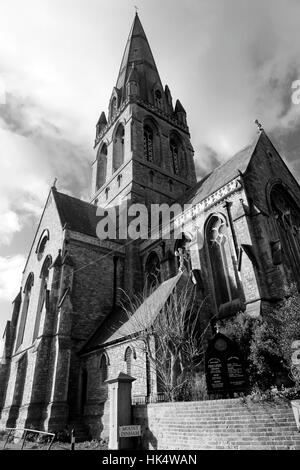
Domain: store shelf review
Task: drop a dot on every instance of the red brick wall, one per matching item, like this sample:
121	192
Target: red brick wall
217	424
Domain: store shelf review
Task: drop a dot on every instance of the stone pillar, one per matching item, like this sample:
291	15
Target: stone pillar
119	390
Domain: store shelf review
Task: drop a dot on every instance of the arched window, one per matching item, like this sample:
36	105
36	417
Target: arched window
128	360
84	386
178	155
158	99
151	178
118	150
119	179
287	216
103	369
148	143
24	312
113	107
101	167
220	260
182	253
43	294
174	156
152	268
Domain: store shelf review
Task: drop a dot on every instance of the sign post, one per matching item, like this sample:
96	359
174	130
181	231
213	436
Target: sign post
132	431
120	410
224	367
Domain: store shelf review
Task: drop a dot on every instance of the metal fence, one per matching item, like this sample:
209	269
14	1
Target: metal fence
161	397
22	437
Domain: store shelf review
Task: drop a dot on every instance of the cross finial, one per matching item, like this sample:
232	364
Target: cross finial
136	9
182	257
259	125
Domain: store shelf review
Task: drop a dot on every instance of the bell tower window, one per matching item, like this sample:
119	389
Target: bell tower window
43	294
220	260
287	216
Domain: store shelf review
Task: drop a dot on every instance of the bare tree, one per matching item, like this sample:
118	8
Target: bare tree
171	335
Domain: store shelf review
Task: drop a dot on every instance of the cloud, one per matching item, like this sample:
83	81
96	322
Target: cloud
10	276
236	61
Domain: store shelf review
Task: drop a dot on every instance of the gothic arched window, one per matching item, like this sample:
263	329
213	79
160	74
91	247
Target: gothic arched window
128	360
158	99
178	155
287	216
103	369
101	167
174	155
24	312
152	268
220	260
118	149
148	143
113	107
43	294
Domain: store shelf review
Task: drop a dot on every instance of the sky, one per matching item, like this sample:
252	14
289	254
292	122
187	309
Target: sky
228	61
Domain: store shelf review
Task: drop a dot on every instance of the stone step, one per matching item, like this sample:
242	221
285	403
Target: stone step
81	430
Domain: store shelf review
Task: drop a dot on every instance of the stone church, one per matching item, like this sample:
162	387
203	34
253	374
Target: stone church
68	332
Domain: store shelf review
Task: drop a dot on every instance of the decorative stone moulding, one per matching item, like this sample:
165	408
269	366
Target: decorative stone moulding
214	198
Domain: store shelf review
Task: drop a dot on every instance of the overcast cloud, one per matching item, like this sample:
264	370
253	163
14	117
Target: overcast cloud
228	61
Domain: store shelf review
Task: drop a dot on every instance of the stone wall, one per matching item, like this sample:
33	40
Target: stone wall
218	424
96	410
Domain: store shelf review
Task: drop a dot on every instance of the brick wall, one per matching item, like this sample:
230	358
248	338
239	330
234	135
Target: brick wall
217	424
96	410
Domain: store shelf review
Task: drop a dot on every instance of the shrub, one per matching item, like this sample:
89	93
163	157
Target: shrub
266	343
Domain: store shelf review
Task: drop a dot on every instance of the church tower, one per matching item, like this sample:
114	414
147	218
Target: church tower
143	149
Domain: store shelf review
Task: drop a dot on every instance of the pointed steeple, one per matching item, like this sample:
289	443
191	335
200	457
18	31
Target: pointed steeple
138	52
179	108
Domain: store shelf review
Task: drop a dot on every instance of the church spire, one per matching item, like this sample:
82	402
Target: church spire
138	53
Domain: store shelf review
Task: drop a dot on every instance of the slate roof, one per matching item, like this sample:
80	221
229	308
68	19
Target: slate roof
222	175
137	50
79	215
118	326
